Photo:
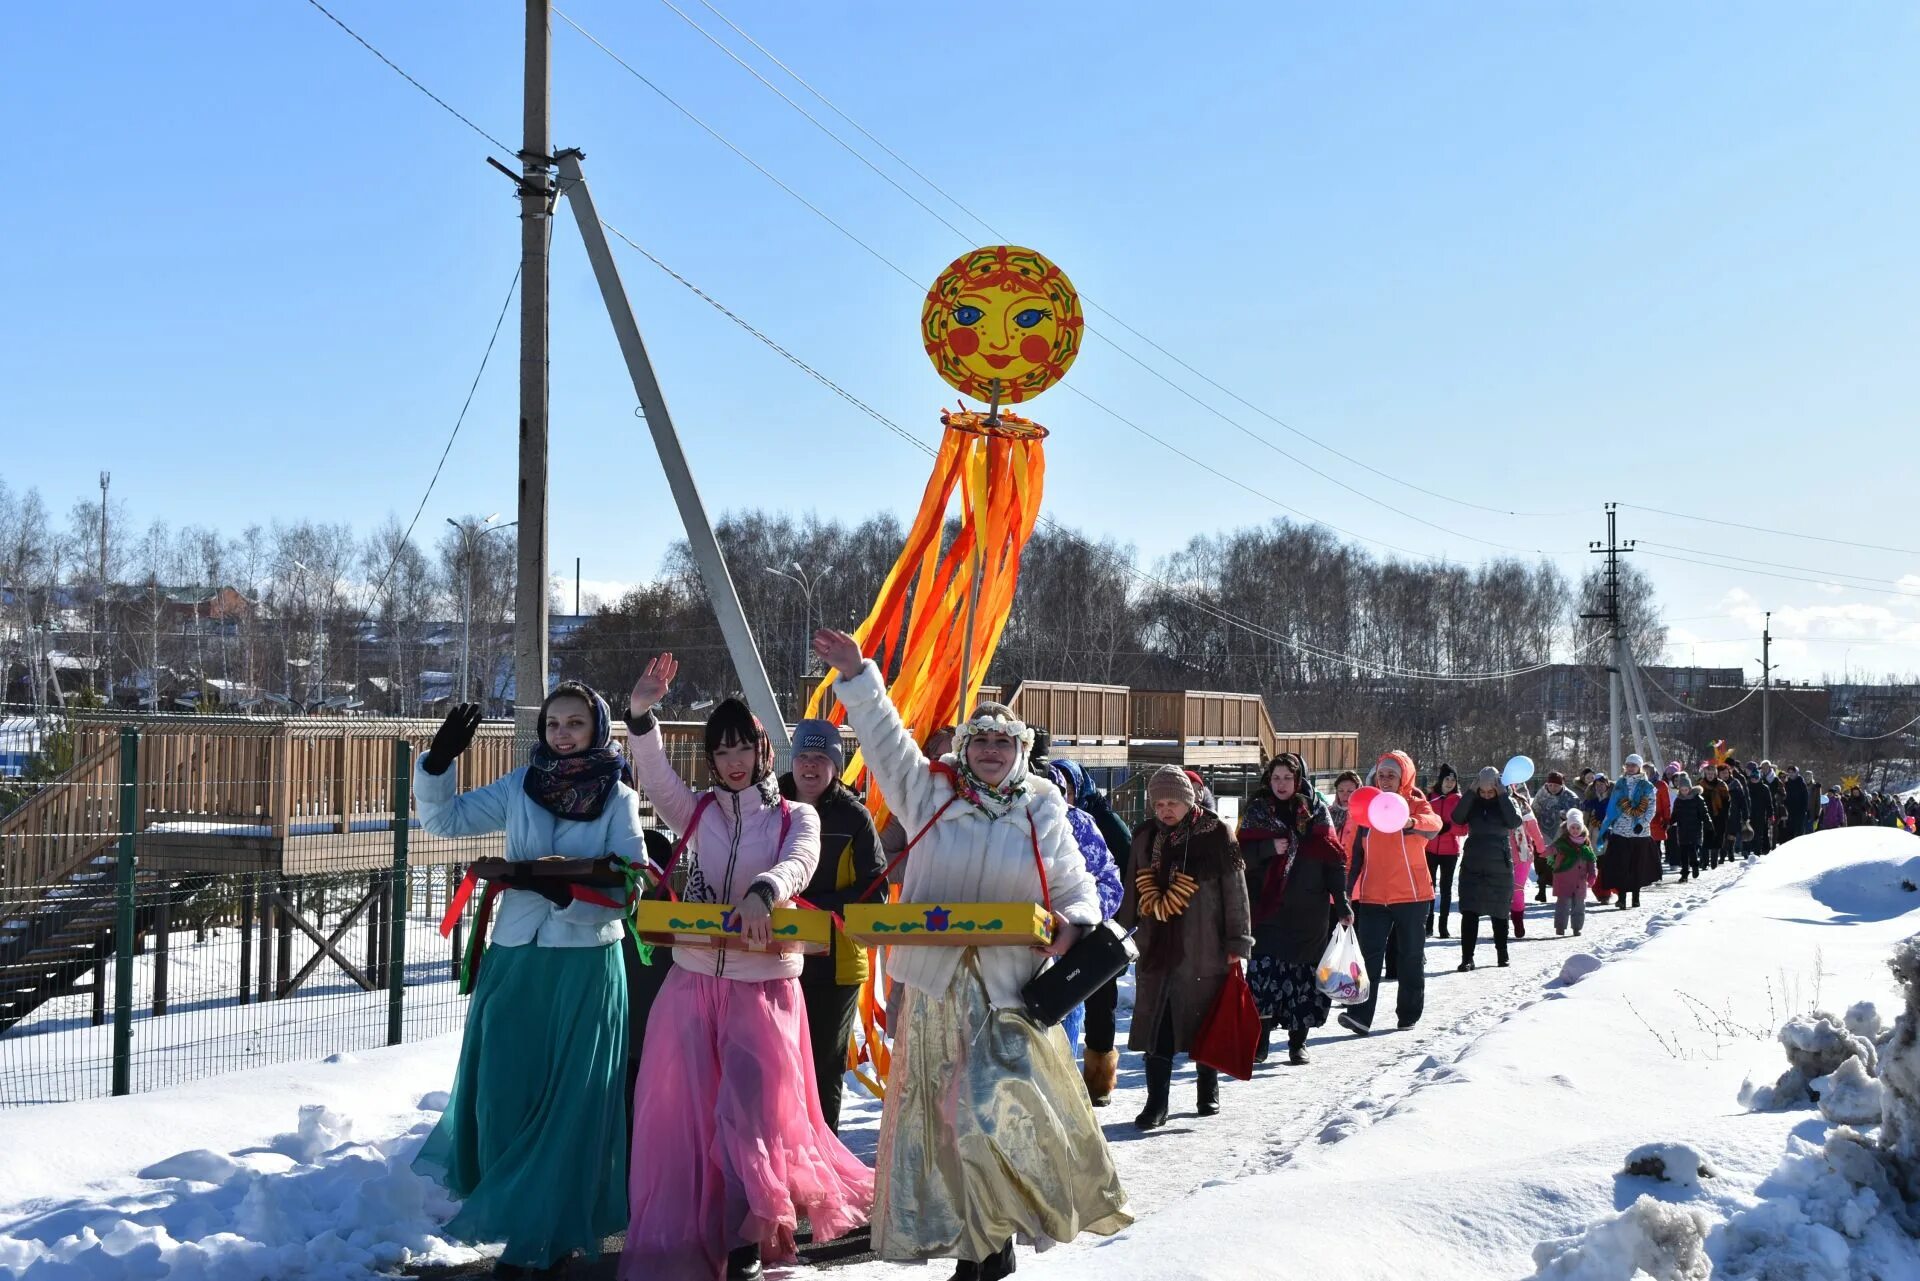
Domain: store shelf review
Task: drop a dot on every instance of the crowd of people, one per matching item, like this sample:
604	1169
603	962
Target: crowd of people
693	1097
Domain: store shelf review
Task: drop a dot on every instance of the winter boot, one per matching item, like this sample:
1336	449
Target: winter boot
999	1264
1429	922
1208	1098
1519	925
1264	1051
1297	1046
1159	1085
1098	1073
743	1264
1500	954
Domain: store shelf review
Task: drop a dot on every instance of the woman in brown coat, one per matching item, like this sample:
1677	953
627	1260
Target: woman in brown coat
1186	892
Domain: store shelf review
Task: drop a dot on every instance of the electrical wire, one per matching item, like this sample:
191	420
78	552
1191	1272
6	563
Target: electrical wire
474	386
998	234
1701	711
502	147
1783	533
1220	615
1856	738
1771	573
767	173
1752	560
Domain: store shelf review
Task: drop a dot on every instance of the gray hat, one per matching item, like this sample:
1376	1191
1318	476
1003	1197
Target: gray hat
1489	777
823	737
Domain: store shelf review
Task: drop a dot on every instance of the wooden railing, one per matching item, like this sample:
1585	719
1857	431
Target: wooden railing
277	779
1073	712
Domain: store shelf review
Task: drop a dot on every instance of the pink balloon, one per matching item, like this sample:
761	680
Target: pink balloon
1388	812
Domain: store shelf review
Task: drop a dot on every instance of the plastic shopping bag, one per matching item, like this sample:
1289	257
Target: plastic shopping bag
1342	977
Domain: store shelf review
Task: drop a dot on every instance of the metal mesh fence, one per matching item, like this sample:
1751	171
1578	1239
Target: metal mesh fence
183	897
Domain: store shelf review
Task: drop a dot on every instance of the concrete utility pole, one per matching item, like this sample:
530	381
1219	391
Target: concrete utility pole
1766	688
106	607
530	667
1612	549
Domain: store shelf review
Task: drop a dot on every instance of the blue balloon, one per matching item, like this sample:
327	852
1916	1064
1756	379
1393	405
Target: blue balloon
1518	770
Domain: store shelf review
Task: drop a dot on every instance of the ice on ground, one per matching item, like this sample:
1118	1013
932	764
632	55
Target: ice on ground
1849	1096
1674	1163
1817	1043
1648	1238
436	1101
198	1166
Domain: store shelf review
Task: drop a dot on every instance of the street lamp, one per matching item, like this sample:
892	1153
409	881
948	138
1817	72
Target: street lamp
468	534
807	584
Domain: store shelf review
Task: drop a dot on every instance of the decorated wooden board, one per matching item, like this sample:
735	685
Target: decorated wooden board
713	925
949	924
1002	323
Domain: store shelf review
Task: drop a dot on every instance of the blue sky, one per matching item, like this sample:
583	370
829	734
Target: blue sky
1533	257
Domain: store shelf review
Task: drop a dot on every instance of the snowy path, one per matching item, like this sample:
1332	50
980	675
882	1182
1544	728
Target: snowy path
1349	1081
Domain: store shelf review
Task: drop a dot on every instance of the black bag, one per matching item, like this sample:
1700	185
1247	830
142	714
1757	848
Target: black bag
1103	953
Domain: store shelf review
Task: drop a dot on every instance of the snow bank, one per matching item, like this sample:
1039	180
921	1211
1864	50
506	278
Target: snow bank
1523	1139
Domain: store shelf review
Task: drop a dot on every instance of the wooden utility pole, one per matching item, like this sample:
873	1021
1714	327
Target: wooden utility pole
530	585
1766	688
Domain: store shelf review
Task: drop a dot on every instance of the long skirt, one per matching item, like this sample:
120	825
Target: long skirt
1626	863
1288	995
986	1133
533	1141
730	1148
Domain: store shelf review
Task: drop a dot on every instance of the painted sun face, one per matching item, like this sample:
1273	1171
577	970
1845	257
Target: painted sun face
1002	315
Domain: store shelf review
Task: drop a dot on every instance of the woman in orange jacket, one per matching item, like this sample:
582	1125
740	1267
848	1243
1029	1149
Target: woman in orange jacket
1392	894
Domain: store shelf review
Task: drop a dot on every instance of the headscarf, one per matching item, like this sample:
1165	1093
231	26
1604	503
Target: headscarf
993	800
1303	820
575	787
1173	875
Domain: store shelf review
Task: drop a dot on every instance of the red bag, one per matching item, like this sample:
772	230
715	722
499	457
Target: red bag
1230	1034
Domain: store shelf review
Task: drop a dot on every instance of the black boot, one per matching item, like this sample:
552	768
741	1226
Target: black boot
1000	1264
1265	1049
1159	1084
1297	1046
743	1264
1429	922
1209	1093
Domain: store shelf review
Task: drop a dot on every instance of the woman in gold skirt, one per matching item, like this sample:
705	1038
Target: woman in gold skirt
987	1134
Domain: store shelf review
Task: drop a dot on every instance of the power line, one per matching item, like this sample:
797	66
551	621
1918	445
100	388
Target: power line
1782	533
994	231
1701	711
1770	573
1753	560
406	538
1856	738
502	147
1224	616
728	143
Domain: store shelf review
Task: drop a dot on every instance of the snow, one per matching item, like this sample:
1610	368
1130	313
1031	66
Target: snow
1849	1096
1530	1126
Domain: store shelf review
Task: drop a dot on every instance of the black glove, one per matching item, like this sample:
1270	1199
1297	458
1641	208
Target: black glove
453	737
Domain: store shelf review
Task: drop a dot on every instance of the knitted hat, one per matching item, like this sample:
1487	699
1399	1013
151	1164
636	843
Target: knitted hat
1682	780
1170	783
822	737
1636	759
1673	767
1488	777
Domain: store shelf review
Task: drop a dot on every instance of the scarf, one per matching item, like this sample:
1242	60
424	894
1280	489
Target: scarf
575	787
1173	875
1568	855
1305	825
994	802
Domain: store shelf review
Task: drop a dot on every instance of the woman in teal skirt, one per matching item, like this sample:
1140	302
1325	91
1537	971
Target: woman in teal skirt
533	1141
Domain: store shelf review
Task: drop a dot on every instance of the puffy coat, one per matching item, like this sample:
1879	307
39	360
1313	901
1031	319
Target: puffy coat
1688	826
967	856
1392	866
1485	880
1552	808
1447	843
1575	867
736	845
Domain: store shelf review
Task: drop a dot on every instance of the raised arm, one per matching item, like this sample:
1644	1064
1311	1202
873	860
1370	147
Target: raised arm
647	748
445	811
895	759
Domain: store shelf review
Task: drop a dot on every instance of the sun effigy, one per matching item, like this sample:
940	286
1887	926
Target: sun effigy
1001	324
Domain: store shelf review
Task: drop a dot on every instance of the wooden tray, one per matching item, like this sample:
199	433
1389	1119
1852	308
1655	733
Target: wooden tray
711	925
949	924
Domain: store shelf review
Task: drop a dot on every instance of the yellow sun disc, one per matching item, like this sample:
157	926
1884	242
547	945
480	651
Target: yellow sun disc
1002	315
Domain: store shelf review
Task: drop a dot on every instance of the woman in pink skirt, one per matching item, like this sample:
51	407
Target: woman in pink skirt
730	1149
1527	844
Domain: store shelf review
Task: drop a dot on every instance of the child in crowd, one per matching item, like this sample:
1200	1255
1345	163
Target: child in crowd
1576	865
1687	829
